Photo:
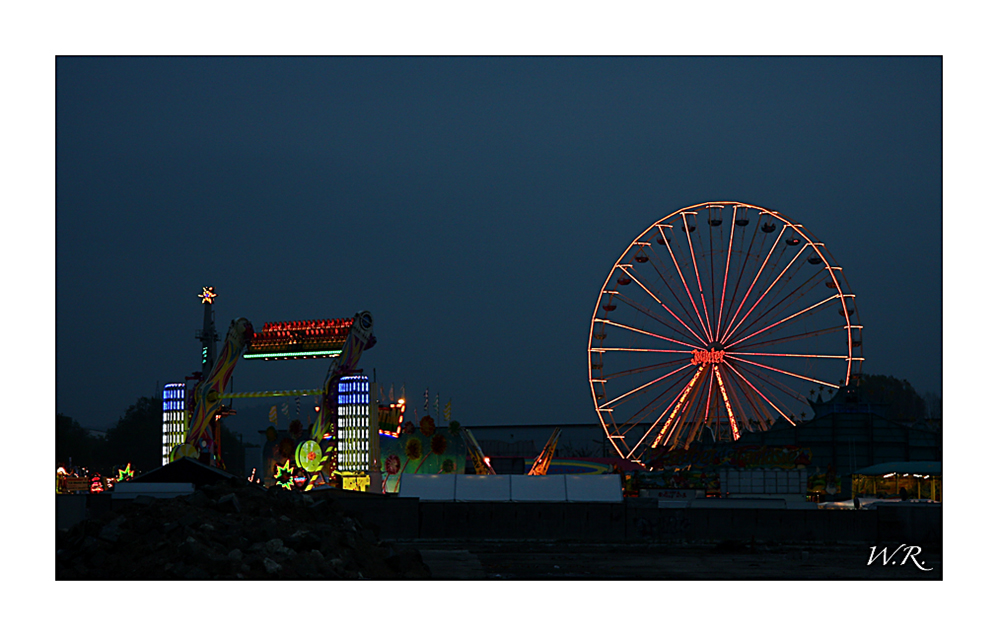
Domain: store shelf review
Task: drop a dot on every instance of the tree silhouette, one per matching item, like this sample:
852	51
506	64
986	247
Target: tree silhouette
904	403
73	441
138	436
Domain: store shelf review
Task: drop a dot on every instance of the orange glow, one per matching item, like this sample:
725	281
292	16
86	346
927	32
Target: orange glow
728	405
679	404
746	380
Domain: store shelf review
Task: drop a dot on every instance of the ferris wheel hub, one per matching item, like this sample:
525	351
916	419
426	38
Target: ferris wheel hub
712	356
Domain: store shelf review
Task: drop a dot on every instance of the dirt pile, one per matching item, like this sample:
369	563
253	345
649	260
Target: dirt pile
230	530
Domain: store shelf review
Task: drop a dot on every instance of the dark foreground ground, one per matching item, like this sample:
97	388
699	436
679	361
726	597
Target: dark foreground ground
234	530
527	560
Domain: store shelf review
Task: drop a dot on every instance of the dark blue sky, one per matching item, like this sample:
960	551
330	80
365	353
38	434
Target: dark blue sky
473	205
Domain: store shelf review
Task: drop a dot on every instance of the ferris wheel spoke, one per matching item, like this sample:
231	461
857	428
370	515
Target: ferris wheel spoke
603	350
706	324
753	284
766	292
729	402
686	287
784	320
735	400
693	417
681	399
650	314
652	406
711	263
828	356
782	371
656	263
646	368
797	293
728	260
794	337
656	400
742	268
796	396
758	392
635	329
642	388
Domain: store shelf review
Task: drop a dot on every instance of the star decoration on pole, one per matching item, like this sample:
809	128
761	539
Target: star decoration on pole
207	295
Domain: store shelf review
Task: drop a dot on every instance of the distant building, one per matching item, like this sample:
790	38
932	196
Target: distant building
527	441
848	433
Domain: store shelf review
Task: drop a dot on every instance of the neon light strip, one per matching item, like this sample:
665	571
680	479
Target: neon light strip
652	382
635	279
746	380
767	291
644	310
653	426
728	259
799	355
697	312
635	329
774	369
697	274
645	368
793	337
807	309
792	296
683	397
327	352
601	350
728	329
728	405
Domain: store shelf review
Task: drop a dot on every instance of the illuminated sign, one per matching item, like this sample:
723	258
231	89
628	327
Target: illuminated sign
323	338
704	356
355	481
390	418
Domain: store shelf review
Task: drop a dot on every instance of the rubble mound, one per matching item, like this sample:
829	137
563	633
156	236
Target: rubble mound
230	530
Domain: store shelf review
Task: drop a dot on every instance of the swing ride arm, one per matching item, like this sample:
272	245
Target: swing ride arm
208	392
359	338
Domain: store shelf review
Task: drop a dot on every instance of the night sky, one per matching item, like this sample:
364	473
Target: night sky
474	205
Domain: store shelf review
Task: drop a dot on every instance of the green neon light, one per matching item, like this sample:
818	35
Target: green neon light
328	352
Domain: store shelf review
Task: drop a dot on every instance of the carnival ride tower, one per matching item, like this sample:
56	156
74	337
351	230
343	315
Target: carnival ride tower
208	336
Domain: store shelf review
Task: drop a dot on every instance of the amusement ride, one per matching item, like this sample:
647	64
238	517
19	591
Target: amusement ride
718	319
329	448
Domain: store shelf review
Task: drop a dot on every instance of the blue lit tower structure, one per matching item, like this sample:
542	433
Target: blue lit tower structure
176	395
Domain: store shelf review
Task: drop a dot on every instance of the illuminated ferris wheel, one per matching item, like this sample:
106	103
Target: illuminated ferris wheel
720	318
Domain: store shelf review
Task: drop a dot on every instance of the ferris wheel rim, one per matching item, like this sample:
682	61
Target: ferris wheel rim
707	337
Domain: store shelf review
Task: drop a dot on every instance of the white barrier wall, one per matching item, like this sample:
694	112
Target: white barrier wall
475	488
537	488
600	488
512	488
429	487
